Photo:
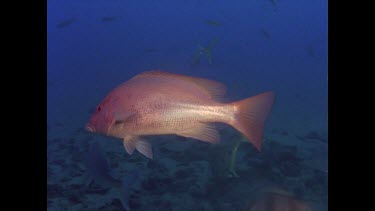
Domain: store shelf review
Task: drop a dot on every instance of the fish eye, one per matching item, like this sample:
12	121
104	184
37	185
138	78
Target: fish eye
99	108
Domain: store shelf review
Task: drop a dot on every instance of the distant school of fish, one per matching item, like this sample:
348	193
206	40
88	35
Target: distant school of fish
158	103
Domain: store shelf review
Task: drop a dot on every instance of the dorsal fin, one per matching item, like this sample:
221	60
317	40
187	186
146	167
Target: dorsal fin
213	89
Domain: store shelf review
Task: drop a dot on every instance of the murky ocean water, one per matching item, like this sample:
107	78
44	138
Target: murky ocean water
250	46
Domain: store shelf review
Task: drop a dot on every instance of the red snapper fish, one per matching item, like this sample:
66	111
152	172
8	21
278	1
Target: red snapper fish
157	102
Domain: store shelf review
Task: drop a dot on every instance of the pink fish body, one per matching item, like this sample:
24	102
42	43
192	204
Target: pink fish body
156	102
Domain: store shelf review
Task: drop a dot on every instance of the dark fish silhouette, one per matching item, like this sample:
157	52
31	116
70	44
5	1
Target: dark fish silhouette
213	22
275	199
265	33
128	183
311	52
109	18
98	169
203	51
65	23
274	2
150	50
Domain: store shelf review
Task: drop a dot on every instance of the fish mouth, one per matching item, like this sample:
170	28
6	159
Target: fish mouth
90	128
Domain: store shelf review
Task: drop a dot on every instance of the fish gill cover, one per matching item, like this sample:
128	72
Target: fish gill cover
250	46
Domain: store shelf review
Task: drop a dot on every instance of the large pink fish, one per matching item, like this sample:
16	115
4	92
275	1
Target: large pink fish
156	102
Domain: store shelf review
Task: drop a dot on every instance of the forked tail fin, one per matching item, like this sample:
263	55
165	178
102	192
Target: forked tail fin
250	116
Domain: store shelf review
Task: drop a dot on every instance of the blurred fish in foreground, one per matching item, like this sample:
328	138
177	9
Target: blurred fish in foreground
157	103
98	170
275	199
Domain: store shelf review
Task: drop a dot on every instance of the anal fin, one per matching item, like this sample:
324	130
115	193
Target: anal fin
203	132
144	148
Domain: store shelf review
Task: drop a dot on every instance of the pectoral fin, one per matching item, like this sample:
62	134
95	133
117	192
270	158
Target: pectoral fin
122	118
144	148
133	142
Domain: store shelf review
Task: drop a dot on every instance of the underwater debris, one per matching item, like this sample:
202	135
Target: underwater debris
265	33
109	18
233	157
213	22
203	51
65	23
233	160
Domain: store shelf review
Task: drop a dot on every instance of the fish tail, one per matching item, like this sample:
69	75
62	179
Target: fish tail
250	116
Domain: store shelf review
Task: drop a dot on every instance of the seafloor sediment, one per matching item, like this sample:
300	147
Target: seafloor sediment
187	174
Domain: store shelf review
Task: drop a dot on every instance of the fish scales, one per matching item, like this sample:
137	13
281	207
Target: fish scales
157	102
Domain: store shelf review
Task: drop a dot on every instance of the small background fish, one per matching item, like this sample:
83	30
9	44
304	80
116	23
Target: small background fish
213	22
109	18
66	23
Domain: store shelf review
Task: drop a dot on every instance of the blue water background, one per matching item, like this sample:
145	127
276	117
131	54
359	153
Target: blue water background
261	46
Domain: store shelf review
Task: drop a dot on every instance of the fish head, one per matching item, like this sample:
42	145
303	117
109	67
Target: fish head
102	119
